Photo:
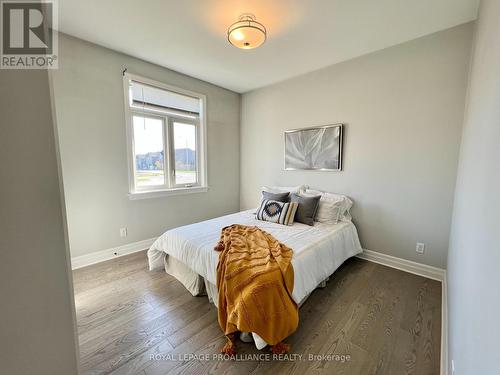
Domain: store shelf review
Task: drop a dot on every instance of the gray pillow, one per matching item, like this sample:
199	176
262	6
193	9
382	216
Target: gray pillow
280	197
307	208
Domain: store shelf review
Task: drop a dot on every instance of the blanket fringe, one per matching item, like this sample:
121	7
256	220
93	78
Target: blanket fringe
280	348
220	246
229	348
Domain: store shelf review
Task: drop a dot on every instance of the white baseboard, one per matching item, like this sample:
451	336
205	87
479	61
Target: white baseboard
404	265
115	252
424	270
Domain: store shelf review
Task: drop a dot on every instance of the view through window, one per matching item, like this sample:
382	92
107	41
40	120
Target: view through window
185	153
149	151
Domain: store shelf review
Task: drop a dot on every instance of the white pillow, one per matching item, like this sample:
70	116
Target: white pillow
332	208
281	189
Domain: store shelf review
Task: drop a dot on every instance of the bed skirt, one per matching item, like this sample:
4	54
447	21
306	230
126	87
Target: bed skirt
193	282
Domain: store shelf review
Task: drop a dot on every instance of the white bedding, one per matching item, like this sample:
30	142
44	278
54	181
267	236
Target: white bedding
317	250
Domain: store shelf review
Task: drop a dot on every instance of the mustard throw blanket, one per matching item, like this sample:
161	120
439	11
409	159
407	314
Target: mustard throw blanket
255	283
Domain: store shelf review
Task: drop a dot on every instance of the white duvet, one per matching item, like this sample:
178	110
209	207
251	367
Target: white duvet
317	250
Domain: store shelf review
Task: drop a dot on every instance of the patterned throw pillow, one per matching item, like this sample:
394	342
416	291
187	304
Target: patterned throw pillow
277	212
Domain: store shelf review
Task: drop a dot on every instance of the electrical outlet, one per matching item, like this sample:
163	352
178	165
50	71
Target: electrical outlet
123	232
420	248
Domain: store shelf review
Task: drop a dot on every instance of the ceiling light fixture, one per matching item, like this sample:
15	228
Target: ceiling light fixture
246	33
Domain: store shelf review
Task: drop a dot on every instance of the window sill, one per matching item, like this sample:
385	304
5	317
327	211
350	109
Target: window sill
167	193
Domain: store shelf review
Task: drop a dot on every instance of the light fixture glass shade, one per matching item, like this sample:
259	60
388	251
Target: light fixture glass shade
247	33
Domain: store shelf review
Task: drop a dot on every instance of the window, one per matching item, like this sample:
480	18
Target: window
166	138
184	153
149	151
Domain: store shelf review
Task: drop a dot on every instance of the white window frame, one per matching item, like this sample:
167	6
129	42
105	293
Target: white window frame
168	118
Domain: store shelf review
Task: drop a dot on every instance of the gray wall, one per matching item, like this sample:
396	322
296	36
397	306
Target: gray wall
403	109
474	255
88	90
37	312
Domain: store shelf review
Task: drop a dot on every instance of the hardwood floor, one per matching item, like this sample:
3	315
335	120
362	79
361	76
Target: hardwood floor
387	322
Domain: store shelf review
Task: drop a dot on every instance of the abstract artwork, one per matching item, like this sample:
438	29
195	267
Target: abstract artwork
317	148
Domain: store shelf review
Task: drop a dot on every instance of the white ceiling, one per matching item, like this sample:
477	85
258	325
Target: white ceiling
189	36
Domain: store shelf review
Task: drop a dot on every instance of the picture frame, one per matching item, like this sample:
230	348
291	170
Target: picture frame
314	148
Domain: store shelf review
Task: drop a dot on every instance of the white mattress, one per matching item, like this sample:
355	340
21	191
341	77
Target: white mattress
317	250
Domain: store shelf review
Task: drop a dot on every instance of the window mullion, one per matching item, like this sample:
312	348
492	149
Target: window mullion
166	151
198	154
172	152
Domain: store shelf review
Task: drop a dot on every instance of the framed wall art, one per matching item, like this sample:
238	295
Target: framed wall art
315	148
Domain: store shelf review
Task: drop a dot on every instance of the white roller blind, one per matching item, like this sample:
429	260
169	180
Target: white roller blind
149	95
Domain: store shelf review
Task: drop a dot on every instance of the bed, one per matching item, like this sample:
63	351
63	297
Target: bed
187	252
